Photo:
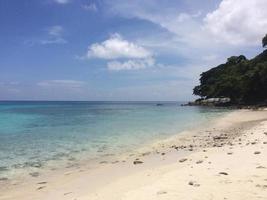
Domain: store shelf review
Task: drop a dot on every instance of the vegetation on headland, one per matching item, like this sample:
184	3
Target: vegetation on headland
242	80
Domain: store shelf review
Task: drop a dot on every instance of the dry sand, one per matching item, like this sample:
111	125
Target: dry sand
227	159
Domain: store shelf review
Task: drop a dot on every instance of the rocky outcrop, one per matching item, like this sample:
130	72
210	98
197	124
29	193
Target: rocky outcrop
225	101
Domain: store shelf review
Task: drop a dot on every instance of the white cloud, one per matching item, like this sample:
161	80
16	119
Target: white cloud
61	83
117	47
55	30
233	24
53	35
53	41
90	7
238	21
131	64
62	1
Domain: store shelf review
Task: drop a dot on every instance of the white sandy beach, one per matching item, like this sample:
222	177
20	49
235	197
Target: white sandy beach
227	159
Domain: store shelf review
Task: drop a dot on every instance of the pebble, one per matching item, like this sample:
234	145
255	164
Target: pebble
192	183
34	174
42	187
136	162
257	152
199	162
41	183
161	192
223	173
3	179
183	160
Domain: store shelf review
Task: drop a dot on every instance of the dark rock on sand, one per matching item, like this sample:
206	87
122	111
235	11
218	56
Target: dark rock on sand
199	162
3	179
223	173
183	160
220	137
136	162
161	192
42	187
192	183
257	152
34	174
41	183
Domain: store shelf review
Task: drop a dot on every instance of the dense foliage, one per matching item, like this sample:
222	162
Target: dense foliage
264	41
243	80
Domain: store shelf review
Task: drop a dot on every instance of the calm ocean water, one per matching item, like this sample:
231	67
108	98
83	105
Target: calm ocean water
35	135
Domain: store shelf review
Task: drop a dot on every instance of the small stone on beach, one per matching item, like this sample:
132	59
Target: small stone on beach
42	187
41	183
257	152
137	162
199	162
34	174
183	160
192	183
223	173
3	179
161	192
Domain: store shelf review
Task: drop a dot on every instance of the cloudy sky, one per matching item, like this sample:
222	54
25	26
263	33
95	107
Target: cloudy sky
120	50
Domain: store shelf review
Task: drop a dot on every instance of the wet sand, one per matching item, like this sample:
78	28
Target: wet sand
226	159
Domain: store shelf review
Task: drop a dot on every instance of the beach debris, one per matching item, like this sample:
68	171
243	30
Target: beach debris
199	162
67	193
261	186
230	153
3	179
223	173
257	152
136	162
42	187
146	153
190	149
220	137
183	160
193	183
260	167
103	162
41	183
161	192
253	143
34	174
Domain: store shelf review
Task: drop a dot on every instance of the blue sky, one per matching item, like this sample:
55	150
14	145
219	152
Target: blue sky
120	50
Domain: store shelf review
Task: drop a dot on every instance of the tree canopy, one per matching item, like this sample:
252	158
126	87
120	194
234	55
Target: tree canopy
264	41
242	80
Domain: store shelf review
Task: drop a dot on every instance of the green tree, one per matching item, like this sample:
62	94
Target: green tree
264	41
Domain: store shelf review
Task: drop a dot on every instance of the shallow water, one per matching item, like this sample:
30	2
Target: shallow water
36	135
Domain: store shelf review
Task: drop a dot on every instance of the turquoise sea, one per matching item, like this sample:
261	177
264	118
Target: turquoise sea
36	135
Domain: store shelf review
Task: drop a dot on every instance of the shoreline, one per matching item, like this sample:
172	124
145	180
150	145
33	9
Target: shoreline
118	179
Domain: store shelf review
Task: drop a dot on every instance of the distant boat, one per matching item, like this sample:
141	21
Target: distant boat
159	104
